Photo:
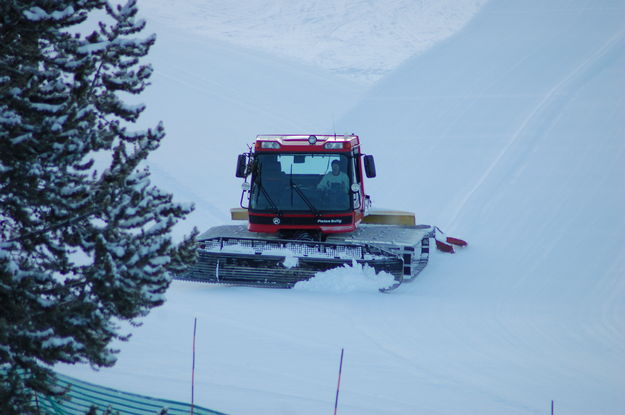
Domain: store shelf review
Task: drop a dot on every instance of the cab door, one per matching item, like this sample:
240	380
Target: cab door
358	191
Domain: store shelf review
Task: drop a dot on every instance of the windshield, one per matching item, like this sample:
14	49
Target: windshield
301	182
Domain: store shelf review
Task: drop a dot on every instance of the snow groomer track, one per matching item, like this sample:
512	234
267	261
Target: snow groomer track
230	254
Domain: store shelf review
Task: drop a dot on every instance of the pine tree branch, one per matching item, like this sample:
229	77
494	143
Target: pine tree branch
54	227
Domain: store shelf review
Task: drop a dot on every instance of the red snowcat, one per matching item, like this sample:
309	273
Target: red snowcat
307	211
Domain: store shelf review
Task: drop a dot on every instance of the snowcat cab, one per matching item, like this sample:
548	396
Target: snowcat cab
305	187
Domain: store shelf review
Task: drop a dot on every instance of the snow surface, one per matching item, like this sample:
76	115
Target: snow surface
509	134
359	39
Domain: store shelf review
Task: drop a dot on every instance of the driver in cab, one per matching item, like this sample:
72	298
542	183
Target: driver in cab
333	178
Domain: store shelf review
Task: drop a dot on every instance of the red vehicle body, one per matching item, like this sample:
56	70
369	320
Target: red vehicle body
289	192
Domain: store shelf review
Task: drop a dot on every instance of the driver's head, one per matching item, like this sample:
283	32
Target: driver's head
336	167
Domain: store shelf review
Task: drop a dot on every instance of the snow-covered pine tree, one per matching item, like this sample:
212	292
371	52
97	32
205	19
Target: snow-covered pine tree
83	244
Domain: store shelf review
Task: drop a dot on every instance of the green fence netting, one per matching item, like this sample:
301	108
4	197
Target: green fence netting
83	396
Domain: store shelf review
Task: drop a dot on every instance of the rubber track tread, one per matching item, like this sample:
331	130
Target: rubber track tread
266	270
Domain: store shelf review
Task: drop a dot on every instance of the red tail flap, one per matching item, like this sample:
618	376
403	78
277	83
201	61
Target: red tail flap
442	246
456	241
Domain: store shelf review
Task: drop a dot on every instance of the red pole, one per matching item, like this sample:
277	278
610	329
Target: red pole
338	386
193	367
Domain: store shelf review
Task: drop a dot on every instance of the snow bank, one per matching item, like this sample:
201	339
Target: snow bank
348	278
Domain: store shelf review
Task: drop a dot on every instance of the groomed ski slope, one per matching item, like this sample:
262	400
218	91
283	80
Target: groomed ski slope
509	134
358	39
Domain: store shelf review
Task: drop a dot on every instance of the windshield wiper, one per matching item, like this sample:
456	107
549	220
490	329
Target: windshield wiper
304	198
271	202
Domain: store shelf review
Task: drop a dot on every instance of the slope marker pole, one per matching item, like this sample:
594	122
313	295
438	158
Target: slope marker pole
338	386
193	367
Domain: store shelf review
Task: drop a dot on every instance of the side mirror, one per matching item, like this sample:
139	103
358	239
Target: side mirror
369	166
241	165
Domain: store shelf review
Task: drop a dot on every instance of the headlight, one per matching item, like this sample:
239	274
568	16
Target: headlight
269	144
333	146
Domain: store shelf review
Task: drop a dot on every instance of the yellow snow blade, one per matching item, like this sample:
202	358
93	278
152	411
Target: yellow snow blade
239	214
390	217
